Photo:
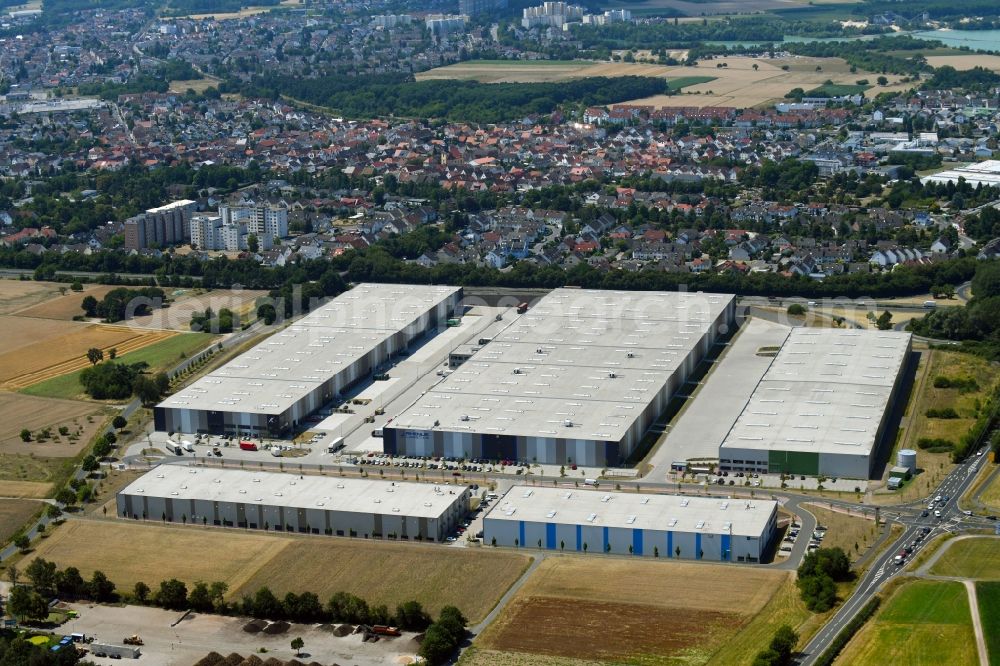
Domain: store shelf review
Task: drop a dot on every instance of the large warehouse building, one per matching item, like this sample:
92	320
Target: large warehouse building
672	526
578	379
271	388
293	503
822	406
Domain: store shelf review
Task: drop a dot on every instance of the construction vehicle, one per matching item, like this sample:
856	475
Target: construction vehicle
134	639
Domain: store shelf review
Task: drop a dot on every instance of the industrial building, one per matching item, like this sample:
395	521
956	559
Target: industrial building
294	503
648	525
271	388
577	379
822	406
985	173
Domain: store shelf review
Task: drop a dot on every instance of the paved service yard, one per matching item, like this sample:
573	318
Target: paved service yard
198	635
701	427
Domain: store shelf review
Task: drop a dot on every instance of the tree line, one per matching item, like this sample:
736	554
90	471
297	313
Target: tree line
113	380
817	577
48	581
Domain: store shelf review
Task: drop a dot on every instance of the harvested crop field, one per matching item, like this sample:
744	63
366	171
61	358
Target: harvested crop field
739	85
65	306
36	354
379	572
151	553
19	412
579	607
966	61
391	573
19	294
14	513
28	489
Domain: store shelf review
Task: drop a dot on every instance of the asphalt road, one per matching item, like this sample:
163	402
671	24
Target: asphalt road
884	569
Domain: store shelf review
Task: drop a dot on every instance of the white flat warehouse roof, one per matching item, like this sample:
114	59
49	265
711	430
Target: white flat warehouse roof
278	372
986	172
295	491
826	391
594	359
674	513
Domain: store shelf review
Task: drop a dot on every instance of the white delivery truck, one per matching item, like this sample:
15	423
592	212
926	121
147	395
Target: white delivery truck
276	451
188	445
174	447
336	445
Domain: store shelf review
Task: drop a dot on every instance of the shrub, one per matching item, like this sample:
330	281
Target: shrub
929	443
796	309
944	413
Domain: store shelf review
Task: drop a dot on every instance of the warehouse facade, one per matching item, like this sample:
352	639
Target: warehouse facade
668	526
823	405
293	503
271	388
578	379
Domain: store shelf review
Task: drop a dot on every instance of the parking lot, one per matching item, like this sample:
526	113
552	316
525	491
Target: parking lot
167	644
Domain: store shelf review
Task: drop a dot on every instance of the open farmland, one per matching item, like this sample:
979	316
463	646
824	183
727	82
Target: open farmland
379	572
739	85
706	84
19	294
151	553
923	622
966	61
601	608
14	513
30	489
391	573
24	475
166	351
65	306
977	557
36	360
19	412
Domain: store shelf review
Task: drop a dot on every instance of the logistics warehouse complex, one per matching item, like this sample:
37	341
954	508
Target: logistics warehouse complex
578	379
822	406
295	503
674	526
270	389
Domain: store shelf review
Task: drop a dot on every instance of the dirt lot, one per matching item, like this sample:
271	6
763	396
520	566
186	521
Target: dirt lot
966	61
22	411
391	573
19	294
607	631
578	607
192	639
65	307
152	553
14	513
38	349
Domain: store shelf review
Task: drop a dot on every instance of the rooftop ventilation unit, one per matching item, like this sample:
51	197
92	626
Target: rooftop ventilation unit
568	423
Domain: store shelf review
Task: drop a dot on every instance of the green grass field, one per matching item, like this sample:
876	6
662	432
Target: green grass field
685	81
988	597
836	90
923	623
160	356
970	558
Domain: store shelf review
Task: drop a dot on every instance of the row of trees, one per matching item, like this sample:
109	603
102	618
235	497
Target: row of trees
779	651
